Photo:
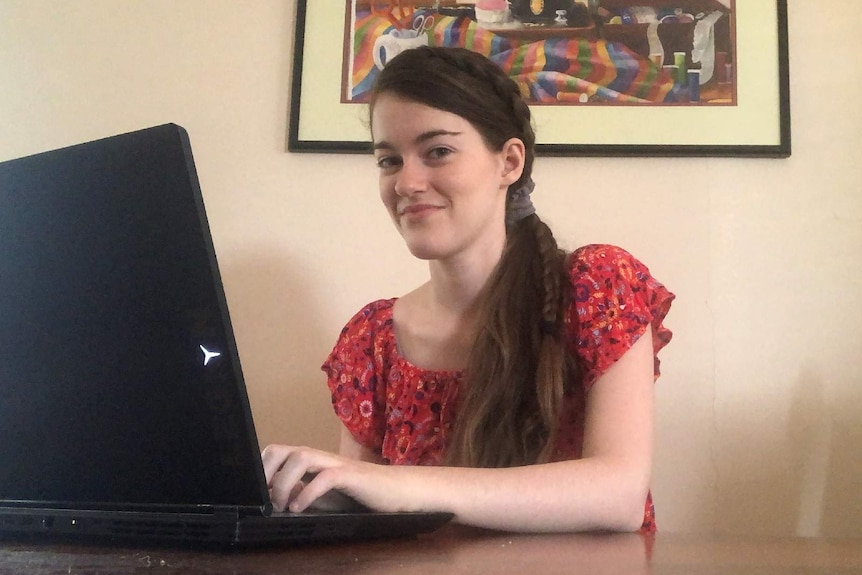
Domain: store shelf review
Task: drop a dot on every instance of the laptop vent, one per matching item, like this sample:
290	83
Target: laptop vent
180	530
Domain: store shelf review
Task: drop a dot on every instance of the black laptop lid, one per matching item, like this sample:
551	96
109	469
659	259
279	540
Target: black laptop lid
120	384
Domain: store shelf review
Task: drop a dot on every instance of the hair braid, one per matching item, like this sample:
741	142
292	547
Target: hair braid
552	264
551	364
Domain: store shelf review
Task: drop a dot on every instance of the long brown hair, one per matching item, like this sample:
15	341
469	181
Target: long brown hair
509	405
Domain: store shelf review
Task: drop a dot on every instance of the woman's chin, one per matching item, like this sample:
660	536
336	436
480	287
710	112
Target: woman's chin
424	254
424	251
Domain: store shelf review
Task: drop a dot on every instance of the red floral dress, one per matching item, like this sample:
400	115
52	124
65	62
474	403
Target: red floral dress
406	413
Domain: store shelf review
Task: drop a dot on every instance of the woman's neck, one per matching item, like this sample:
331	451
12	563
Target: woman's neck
457	282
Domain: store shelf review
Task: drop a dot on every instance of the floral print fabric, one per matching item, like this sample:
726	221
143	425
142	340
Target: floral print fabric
406	413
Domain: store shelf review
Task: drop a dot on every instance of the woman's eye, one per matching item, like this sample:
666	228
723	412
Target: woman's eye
387	162
439	153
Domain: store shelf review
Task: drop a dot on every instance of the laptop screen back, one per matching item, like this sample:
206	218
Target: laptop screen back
120	383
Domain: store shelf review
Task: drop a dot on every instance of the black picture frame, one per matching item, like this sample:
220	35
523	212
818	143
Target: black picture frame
344	128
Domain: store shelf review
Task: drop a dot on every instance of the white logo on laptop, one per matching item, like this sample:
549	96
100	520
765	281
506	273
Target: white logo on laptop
208	355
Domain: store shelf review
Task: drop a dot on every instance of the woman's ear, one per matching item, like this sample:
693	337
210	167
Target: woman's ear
513	154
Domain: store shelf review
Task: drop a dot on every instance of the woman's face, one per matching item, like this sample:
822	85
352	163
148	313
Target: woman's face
444	189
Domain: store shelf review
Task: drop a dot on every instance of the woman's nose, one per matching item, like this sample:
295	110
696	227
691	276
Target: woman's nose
411	178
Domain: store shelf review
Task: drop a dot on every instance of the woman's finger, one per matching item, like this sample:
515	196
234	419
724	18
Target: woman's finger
273	458
292	468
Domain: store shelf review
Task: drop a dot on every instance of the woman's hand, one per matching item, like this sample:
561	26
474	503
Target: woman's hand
301	478
291	473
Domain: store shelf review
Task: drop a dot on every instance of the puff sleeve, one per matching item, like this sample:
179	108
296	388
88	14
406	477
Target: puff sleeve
354	375
615	300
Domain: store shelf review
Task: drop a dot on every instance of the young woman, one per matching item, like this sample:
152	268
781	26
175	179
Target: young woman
514	388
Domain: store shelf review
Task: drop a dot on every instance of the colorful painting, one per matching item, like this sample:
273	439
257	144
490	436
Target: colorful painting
563	52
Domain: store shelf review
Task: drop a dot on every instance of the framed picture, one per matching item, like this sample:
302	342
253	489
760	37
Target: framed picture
602	77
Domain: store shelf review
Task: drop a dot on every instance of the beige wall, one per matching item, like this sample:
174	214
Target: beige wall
760	405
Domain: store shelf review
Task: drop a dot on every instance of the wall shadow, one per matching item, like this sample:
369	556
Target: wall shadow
842	497
793	472
825	438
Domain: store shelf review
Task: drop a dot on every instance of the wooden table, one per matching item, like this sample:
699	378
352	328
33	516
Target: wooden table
454	550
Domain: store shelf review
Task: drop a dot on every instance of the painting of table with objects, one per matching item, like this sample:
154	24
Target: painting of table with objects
604	77
564	52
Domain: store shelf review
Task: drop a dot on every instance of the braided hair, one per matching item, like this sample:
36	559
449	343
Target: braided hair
510	402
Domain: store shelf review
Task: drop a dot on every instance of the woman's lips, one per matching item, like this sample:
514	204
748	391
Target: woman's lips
418	210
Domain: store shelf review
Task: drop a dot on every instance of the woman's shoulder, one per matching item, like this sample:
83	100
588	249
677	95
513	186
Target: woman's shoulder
609	267
599	256
601	263
370	327
374	314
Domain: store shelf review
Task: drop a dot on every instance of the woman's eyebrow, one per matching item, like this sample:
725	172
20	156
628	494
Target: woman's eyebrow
431	134
423	137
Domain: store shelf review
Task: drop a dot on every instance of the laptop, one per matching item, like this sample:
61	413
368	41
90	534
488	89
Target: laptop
123	410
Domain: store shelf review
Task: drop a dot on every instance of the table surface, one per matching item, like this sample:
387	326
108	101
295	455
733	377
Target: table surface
457	550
